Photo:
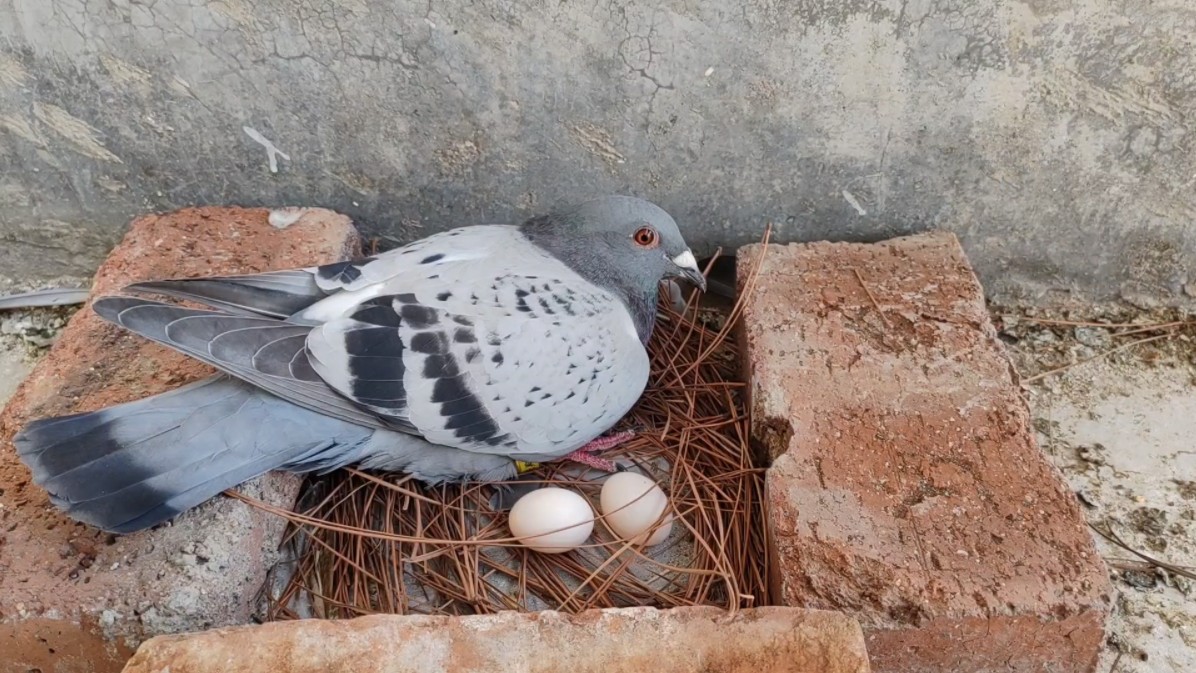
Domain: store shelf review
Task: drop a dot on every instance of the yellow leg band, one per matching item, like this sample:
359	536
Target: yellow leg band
523	468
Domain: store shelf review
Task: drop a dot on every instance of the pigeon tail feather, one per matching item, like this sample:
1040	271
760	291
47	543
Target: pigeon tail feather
136	465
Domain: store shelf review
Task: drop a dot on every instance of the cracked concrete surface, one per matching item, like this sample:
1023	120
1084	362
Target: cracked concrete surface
1054	137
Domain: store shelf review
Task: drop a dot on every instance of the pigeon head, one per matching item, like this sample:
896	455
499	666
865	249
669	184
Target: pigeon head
622	243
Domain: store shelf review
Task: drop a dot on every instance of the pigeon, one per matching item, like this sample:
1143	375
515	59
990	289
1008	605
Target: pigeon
468	355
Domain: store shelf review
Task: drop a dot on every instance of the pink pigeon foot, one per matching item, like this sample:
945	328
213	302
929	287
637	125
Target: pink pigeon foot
585	455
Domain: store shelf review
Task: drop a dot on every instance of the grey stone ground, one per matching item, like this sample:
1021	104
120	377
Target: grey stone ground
1055	136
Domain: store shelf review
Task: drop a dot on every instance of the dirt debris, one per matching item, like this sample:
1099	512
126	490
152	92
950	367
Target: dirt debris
34	330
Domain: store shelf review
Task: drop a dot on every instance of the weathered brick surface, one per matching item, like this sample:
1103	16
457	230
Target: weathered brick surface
72	598
631	640
907	487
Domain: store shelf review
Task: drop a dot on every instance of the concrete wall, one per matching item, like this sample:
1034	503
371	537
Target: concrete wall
1055	136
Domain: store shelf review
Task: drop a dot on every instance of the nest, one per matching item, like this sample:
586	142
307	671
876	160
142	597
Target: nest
363	543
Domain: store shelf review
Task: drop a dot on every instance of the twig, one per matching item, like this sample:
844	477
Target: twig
1131	564
871	297
1156	327
1115	539
1085	323
1098	356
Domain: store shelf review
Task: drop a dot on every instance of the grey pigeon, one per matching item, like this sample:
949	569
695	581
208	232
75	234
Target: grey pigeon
450	359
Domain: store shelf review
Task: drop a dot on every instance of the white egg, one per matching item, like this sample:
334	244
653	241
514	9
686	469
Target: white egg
551	520
631	516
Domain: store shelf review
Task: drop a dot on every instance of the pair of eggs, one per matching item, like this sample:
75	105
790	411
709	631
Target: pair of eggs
555	520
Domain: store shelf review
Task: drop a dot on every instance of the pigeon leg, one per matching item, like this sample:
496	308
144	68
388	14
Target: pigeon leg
585	455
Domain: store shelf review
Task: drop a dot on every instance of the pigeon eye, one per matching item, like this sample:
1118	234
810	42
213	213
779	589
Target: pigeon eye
646	237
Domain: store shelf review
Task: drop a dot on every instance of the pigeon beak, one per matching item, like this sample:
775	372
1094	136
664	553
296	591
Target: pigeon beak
688	269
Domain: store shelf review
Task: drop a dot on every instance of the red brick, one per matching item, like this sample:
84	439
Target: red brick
72	598
640	640
907	488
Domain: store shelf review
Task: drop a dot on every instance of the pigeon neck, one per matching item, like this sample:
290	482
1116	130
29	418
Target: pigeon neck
640	302
642	307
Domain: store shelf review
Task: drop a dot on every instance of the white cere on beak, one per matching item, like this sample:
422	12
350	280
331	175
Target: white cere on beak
688	267
686	261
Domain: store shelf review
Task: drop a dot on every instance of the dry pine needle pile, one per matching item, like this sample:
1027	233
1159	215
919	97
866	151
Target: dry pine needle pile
366	543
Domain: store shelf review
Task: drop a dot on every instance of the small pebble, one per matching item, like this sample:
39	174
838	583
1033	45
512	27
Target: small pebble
1093	337
1139	578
